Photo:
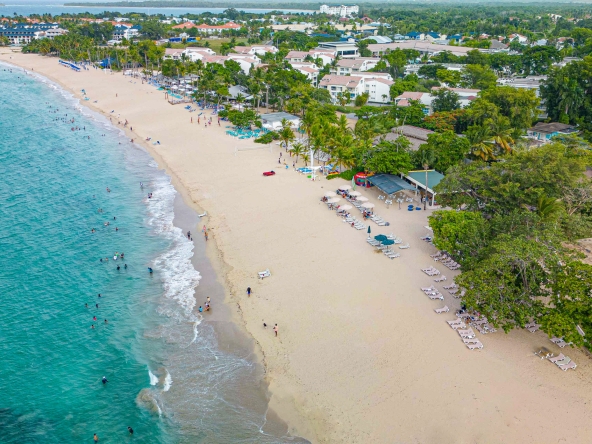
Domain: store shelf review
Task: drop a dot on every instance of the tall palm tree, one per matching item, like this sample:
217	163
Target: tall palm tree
298	150
427	157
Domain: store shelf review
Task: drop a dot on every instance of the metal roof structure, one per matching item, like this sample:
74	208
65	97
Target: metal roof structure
389	183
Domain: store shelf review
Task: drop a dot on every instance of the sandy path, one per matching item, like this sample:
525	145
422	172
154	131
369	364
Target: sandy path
361	356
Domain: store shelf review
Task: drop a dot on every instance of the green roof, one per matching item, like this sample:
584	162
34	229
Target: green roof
434	177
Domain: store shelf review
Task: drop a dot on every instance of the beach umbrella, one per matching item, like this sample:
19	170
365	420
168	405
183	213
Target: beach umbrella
388	242
355	193
362	199
369	230
330	194
345	207
380	237
344	187
333	200
368	205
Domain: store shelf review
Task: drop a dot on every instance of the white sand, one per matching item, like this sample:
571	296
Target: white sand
361	356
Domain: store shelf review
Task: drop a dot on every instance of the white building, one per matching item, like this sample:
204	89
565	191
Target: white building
353	66
310	70
378	88
255	50
341	11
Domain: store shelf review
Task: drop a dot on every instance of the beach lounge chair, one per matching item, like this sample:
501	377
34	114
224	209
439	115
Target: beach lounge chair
404	247
455	321
438	254
393	256
563	344
534	328
444	309
449	287
474	346
468	334
453	291
436	296
264	274
471	341
556	340
566	367
564	361
440	279
428	288
457	326
559	357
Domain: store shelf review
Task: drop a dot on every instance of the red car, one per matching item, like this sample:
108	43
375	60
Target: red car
269	173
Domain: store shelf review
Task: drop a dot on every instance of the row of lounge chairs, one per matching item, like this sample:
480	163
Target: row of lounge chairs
467	334
446	260
532	327
433	293
379	220
563	362
431	271
355	223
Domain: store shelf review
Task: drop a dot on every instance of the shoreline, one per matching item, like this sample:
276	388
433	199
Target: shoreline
361	356
186	215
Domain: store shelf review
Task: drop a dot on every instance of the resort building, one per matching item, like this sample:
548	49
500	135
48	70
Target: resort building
341	11
310	70
378	88
273	121
326	56
425	99
346	50
21	34
350	66
255	50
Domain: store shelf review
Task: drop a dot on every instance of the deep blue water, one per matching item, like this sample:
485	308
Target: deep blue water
170	378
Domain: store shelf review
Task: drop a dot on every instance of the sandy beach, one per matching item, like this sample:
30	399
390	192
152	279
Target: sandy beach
361	356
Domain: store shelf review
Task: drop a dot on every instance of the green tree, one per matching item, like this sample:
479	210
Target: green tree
478	76
390	157
445	100
448	150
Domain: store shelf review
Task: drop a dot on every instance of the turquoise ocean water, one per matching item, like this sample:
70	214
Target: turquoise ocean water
169	378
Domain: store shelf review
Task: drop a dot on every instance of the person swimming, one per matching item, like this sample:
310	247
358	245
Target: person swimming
104	380
150	270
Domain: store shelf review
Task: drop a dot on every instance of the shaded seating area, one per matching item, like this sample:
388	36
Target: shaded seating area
390	184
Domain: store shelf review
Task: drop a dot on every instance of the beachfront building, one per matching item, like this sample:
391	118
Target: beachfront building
341	10
345	50
352	66
273	121
20	35
197	53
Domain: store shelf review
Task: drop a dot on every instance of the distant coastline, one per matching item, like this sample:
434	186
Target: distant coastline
193	4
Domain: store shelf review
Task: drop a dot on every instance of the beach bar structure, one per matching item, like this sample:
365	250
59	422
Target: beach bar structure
389	183
418	178
273	121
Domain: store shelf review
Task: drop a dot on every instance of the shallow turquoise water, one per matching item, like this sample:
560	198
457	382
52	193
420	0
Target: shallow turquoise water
169	377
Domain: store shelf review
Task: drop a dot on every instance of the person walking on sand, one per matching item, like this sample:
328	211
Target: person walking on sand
206	234
275	330
249	291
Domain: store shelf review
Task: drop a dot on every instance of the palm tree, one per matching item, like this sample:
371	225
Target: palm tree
502	134
286	136
479	138
298	150
548	207
240	99
427	157
306	158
